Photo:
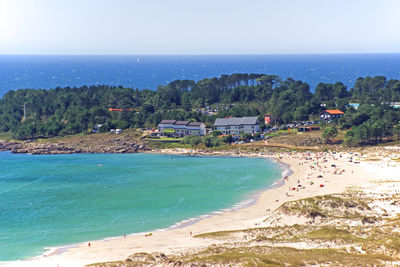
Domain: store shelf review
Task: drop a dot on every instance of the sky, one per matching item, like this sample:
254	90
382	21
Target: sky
199	26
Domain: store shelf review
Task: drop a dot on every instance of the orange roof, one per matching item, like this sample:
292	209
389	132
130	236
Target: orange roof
334	111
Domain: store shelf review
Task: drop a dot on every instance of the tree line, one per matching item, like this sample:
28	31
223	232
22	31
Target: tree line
72	110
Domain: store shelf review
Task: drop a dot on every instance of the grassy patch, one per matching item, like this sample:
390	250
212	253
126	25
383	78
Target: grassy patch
5	136
332	233
283	256
327	206
216	234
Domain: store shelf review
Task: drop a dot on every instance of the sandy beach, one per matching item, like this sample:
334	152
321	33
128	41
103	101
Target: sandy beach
313	174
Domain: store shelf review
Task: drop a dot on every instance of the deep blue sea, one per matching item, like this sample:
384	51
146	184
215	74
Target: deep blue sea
55	200
142	72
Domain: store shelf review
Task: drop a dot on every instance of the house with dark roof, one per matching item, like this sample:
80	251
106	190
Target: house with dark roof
181	128
236	126
331	114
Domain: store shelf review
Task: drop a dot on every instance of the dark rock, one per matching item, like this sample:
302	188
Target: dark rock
113	146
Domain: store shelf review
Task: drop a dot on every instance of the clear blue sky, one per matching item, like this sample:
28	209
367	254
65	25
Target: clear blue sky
199	27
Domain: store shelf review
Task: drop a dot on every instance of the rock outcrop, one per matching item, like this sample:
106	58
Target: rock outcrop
117	145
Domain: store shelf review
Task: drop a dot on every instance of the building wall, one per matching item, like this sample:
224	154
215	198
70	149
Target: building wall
183	129
238	129
202	129
162	127
326	115
251	128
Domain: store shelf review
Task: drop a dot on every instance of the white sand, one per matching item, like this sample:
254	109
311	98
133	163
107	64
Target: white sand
180	240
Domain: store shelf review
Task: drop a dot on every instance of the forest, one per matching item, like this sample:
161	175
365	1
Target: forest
32	113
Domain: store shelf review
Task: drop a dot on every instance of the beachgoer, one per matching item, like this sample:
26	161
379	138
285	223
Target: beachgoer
89	244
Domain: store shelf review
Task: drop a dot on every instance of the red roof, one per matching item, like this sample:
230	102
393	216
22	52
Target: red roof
334	111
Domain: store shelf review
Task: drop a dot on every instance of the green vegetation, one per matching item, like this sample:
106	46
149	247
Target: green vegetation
332	233
340	239
66	111
329	133
284	256
346	236
256	256
207	141
371	123
216	133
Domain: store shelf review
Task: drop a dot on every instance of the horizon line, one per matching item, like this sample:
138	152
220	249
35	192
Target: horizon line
244	54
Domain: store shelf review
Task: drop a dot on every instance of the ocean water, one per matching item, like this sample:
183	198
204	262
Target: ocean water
55	200
142	72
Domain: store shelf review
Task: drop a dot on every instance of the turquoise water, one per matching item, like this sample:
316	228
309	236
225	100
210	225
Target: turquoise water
55	200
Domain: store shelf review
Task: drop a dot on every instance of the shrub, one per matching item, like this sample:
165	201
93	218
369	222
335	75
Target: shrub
228	139
215	133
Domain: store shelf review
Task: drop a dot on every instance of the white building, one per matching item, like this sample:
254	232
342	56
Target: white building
181	128
331	114
236	126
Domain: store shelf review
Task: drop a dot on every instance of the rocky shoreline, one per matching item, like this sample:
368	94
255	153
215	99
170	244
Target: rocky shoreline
118	145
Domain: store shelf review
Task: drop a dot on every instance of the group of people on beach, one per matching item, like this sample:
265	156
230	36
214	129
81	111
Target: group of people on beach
316	164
